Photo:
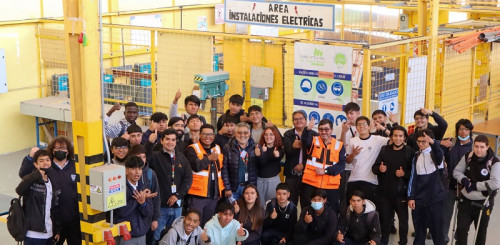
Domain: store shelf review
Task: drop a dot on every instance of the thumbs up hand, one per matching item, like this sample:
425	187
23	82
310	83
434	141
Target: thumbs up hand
264	148
274	214
213	156
308	218
311	124
257	150
382	167
400	173
153	136
241	231
236	207
276	153
204	236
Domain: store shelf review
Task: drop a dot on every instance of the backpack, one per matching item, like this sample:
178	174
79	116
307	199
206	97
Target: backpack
16	222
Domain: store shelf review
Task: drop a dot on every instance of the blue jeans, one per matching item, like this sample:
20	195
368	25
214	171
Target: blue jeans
239	192
167	217
36	241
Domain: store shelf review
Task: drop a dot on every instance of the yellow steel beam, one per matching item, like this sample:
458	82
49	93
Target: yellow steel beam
84	79
153	70
432	56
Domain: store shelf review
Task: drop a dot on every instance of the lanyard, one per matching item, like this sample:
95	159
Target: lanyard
244	159
173	169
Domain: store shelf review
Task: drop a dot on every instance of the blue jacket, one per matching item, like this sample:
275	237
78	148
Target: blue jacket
224	235
230	170
453	156
427	189
138	215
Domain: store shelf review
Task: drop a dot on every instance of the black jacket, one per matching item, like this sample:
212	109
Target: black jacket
230	173
220	121
267	164
292	154
34	192
361	228
153	185
138	215
388	183
438	130
453	156
322	227
284	222
66	180
161	163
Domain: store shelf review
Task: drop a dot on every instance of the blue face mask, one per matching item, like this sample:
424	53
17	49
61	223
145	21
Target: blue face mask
463	139
317	205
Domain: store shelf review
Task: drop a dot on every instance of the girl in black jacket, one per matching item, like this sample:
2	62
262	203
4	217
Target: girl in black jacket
40	201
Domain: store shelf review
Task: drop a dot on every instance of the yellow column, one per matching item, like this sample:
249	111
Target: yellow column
84	79
432	56
367	82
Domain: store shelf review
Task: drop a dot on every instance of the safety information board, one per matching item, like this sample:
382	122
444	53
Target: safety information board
322	81
388	101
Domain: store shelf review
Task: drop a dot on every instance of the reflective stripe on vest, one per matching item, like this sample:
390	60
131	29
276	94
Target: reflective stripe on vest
199	187
321	181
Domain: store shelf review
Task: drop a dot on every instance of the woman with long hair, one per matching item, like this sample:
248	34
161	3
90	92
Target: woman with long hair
269	153
251	214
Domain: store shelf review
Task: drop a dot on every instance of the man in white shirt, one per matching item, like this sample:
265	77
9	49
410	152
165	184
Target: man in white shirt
362	152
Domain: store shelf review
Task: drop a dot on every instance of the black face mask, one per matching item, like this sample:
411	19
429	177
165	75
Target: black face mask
60	155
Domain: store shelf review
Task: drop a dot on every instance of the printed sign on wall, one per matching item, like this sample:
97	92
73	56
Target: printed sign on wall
281	14
322	81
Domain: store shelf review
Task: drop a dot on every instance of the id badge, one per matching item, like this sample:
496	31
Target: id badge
243	154
174	189
246	176
213	176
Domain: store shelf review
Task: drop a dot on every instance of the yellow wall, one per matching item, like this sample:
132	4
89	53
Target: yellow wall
17	130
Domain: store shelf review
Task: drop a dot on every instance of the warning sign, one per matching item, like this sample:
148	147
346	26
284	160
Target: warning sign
114	188
95	189
116	201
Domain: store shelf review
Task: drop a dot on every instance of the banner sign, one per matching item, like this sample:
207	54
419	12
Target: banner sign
388	101
322	81
281	14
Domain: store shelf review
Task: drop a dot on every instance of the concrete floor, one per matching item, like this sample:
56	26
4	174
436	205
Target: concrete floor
9	180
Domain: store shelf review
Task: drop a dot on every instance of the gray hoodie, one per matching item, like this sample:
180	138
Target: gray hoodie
177	236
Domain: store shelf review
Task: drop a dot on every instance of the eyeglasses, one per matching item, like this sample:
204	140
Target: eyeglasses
323	129
121	147
420	118
362	124
242	133
299	119
60	148
208	134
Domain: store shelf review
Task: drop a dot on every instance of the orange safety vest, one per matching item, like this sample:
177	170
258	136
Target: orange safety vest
199	187
317	158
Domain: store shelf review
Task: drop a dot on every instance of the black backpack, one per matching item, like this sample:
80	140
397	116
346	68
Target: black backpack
16	222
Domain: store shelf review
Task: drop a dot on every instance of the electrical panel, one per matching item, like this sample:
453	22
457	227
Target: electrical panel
259	93
107	187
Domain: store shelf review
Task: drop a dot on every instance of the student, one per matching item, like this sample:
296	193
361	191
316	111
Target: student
226	133
134	133
119	149
268	154
223	229
175	178
478	172
191	105
379	123
362	152
359	223
281	217
239	168
193	135
186	230
317	222
460	145
139	208
294	160
177	124
206	161
118	129
325	161
63	175
345	133
150	182
158	125
251	214
257	125
235	104
426	189
422	122
393	167
40	202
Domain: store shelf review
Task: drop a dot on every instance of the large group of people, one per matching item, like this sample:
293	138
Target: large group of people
189	182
